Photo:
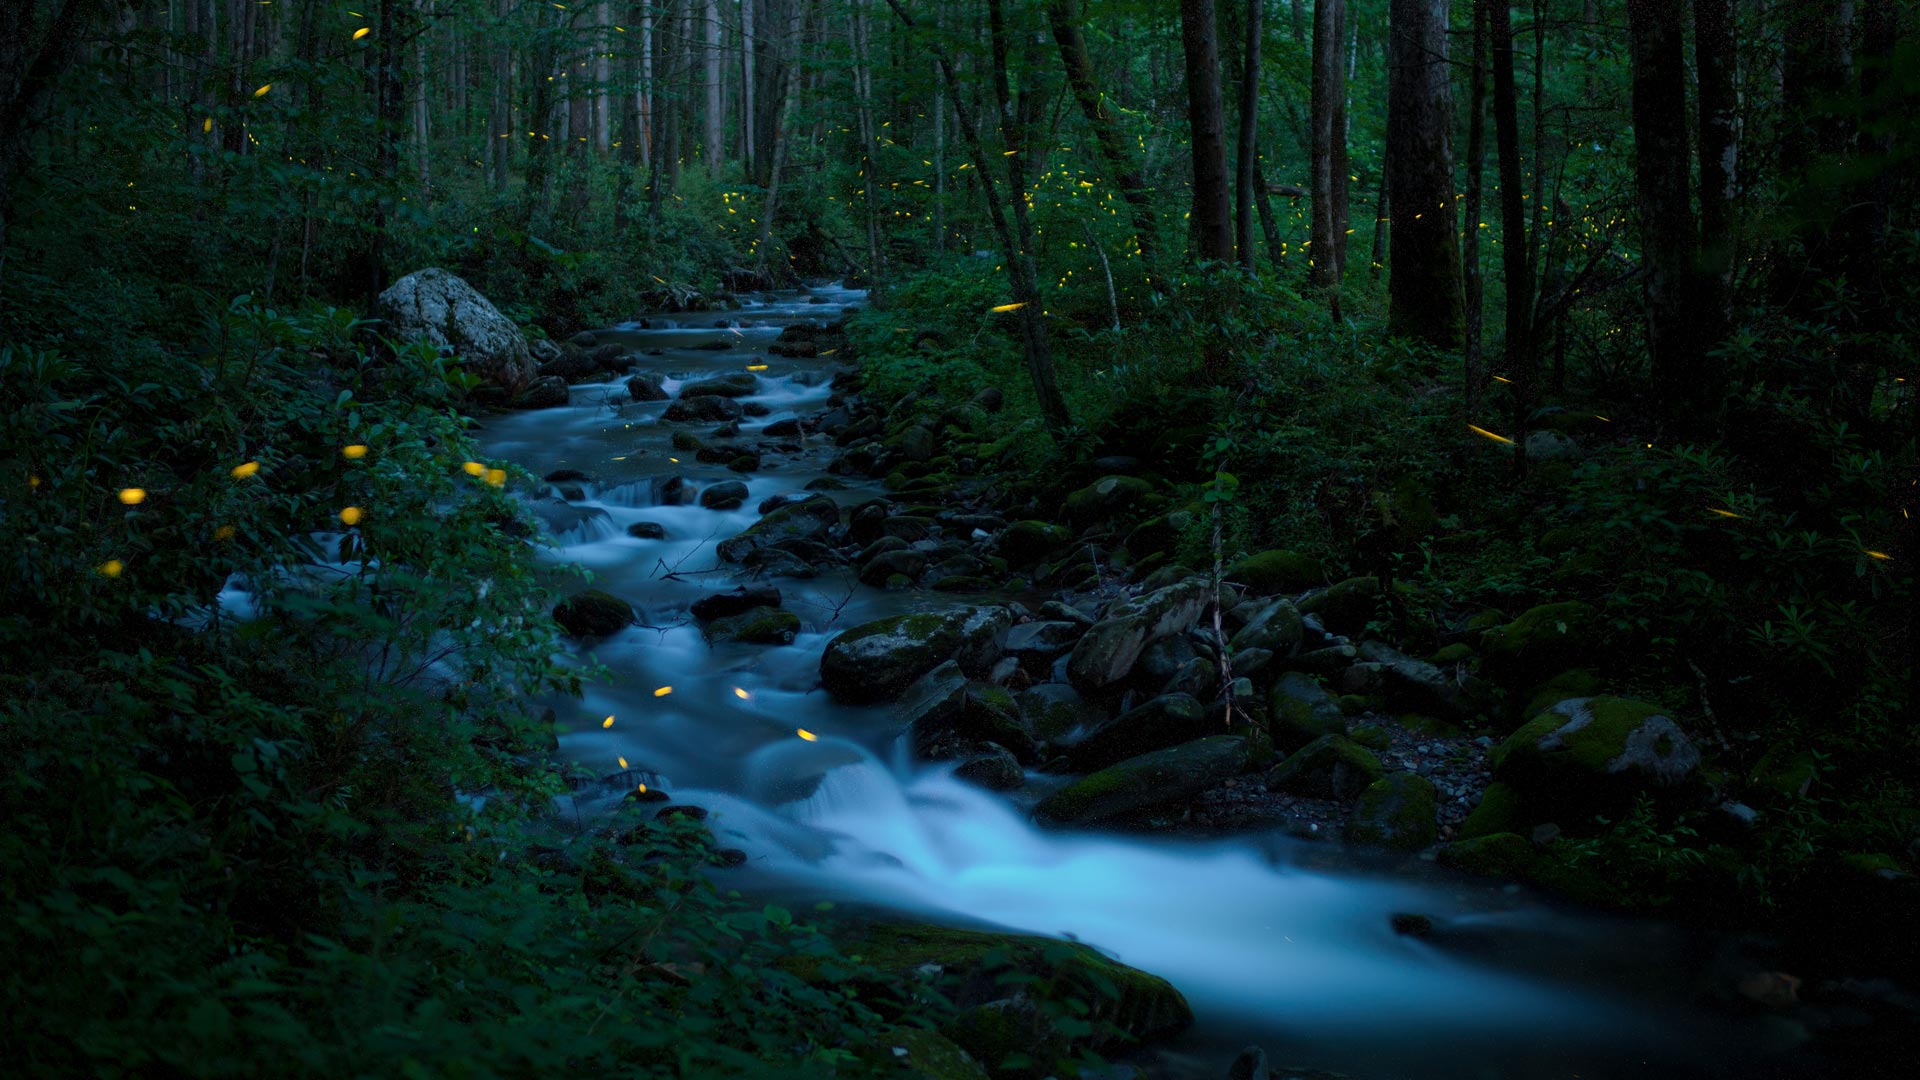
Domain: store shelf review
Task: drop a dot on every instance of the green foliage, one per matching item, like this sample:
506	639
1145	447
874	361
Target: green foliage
316	840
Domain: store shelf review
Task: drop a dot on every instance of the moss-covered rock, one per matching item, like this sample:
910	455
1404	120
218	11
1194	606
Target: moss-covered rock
1329	767
593	613
1171	775
1500	810
731	385
1105	655
760	626
1300	711
1051	710
1578	683
1397	811
1024	543
1372	736
1055	976
1499	854
727	495
1277	571
1542	640
1449	655
911	1053
1590	755
1155	724
1107	498
806	520
1276	627
875	661
1345	607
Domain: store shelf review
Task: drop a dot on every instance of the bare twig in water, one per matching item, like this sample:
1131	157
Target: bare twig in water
673	572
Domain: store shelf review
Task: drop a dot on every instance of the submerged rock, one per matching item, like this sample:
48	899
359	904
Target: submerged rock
593	613
759	626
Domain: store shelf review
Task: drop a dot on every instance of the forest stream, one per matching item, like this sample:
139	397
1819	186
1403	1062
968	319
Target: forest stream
1282	942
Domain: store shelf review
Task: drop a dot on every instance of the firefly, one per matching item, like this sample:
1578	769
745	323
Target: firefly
351	515
807	735
1489	434
241	472
133	496
607	723
497	477
474	468
354	452
112	567
1009	307
741	694
663	691
362	32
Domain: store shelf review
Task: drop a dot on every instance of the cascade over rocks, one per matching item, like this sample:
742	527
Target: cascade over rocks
445	310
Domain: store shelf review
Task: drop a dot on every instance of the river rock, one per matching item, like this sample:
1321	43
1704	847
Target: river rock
876	661
1024	543
1345	607
1396	811
1038	644
1329	767
1415	685
996	770
731	385
1153	725
1108	497
703	409
647	530
1053	710
559	519
727	495
1300	711
1277	571
544	392
440	307
593	613
1275	628
900	562
721	605
809	520
1542	641
1591	755
759	626
646	387
1170	775
1106	654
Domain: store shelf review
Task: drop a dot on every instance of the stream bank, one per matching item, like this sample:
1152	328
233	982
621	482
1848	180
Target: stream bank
756	532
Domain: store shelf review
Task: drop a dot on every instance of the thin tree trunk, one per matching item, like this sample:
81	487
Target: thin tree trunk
1514	246
1714	59
1342	141
1268	226
1248	150
716	118
1323	264
782	137
1020	275
1063	16
1471	277
747	154
1424	296
1212	219
869	134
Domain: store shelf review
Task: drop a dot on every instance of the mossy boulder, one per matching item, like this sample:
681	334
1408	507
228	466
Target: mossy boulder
1329	767
1541	641
760	626
1579	683
726	495
1155	724
1024	543
876	661
1158	778
1500	810
706	409
1105	655
1500	854
1449	655
1397	811
1372	736
1051	710
1299	711
1056	974
947	716
911	1053
1277	571
593	613
807	520
1346	606
1591	755
1275	628
1107	498
731	385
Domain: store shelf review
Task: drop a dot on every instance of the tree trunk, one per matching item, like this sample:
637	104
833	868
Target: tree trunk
747	154
1515	260
1323	264
1248	150
1719	124
1212	221
28	76
500	133
1668	240
1424	300
716	117
782	138
1064	18
1471	277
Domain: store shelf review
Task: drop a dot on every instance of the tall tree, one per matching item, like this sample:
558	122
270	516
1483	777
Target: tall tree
1423	282
1669	243
1472	280
1515	247
1323	256
1247	153
1212	220
1714	59
715	114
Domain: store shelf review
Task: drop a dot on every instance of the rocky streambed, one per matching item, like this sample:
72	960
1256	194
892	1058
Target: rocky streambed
879	688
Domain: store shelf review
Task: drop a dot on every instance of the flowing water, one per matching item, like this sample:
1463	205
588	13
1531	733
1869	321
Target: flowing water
1280	942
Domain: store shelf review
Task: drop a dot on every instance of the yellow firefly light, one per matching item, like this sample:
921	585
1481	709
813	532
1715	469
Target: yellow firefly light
474	468
663	691
133	496
351	516
1489	434
497	477
242	471
112	567
607	723
354	452
807	735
